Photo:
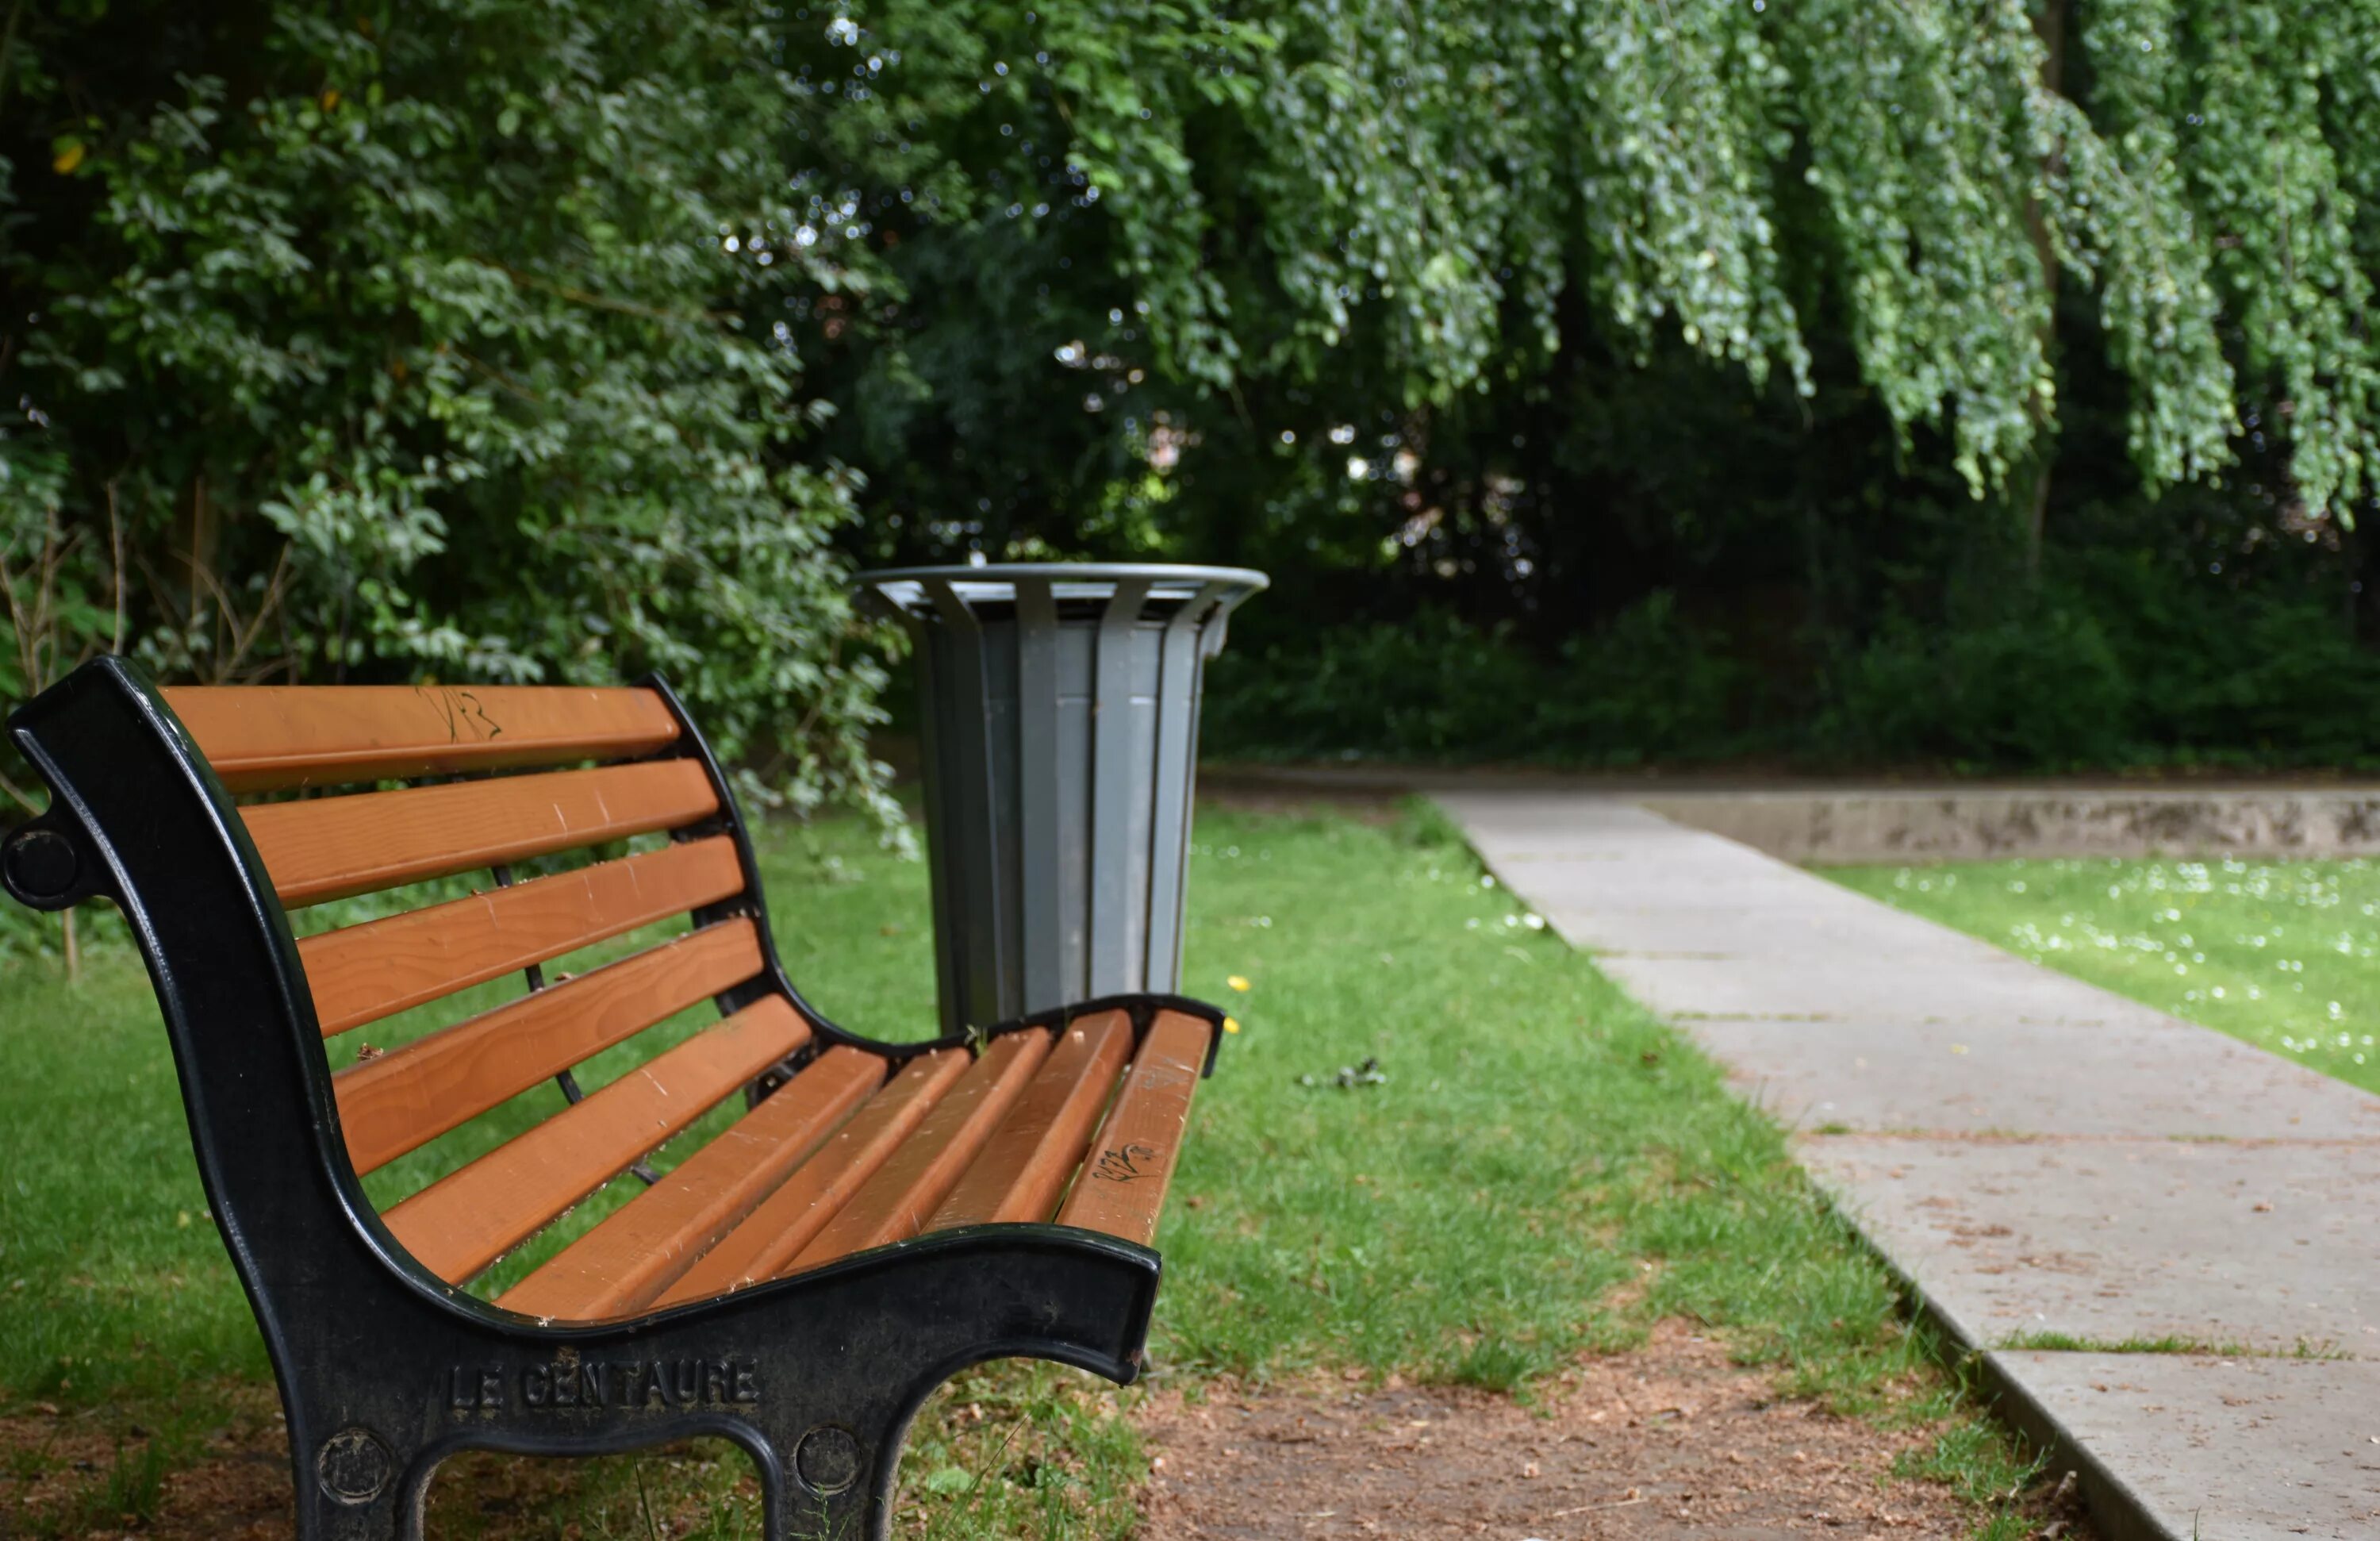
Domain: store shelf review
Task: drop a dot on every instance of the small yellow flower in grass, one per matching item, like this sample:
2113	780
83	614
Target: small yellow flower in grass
1238	982
1230	1024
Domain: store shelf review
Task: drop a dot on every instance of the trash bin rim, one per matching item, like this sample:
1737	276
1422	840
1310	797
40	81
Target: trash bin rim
997	581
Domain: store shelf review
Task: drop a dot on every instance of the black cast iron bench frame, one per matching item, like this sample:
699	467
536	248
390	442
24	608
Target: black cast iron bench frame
384	1368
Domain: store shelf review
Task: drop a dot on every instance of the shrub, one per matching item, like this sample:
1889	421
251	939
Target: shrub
2038	689
446	343
1430	688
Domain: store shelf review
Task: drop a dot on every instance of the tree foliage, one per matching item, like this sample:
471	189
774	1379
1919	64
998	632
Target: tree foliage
1782	316
1414	187
430	338
556	338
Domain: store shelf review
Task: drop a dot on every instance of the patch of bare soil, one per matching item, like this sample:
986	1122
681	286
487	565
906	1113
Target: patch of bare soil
80	1474
1669	1442
70	1473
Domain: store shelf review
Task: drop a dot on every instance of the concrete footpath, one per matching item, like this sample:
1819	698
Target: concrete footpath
2054	1169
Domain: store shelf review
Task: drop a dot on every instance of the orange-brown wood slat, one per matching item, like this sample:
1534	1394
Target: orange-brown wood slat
472	1215
264	737
1023	1169
320	849
361	974
410	1095
641	1248
1122	1187
891	1204
785	1221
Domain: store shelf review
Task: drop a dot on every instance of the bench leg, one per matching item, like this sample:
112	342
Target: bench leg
818	1385
827	1468
822	1485
836	1478
831	1482
957	1299
352	1486
817	1488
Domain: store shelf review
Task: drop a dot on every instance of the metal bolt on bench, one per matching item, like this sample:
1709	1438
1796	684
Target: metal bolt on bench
886	1215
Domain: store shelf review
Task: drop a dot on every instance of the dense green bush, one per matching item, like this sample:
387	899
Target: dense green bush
2037	687
2250	676
1647	686
2108	664
1432	688
428	339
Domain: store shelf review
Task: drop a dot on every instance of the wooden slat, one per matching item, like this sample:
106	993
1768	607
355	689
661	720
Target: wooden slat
641	1248
361	974
891	1204
320	849
475	1214
262	738
410	1095
1123	1184
1023	1170
785	1221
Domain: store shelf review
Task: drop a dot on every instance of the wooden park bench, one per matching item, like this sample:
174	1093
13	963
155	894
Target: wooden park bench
883	1215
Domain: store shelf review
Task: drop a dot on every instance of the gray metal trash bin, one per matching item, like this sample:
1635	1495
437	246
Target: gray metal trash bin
1058	717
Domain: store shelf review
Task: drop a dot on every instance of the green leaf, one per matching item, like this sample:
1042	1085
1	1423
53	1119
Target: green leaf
947	1480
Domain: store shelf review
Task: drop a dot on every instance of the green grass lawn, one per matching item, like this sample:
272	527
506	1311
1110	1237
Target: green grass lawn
1545	1171
2280	954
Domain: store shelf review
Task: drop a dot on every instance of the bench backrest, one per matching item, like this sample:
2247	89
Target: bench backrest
497	777
212	814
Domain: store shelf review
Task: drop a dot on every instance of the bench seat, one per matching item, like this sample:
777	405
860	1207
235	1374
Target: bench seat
878	1215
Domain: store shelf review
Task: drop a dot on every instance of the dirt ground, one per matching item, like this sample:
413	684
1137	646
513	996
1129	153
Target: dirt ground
69	1474
1670	1441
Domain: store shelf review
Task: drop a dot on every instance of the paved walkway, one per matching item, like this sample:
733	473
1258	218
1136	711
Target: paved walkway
2045	1163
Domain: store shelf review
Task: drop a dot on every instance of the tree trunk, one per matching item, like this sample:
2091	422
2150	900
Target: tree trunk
198	535
2049	25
